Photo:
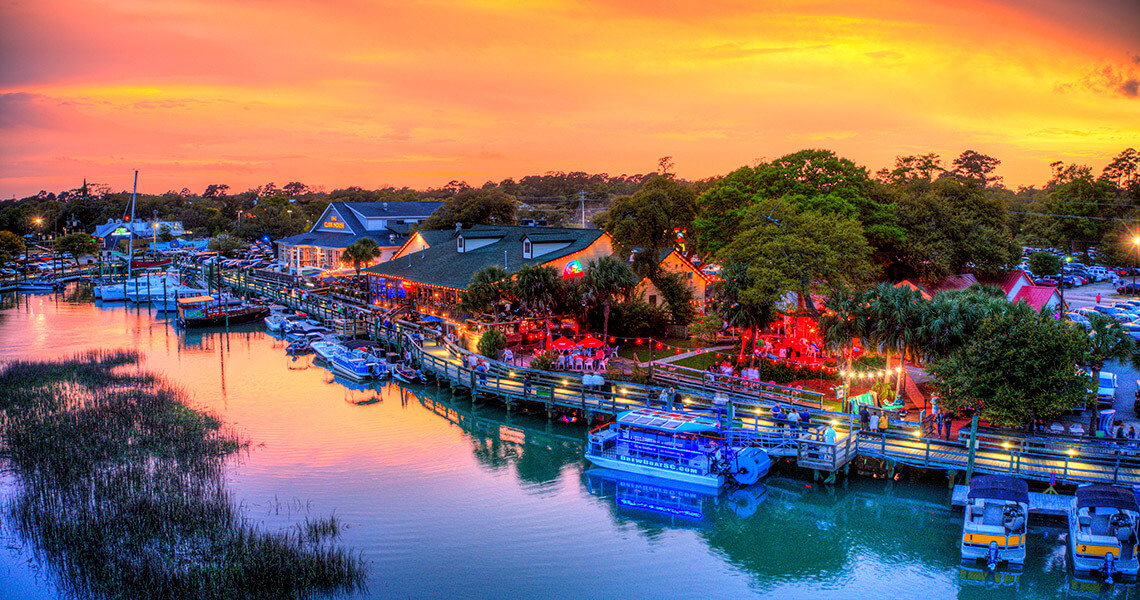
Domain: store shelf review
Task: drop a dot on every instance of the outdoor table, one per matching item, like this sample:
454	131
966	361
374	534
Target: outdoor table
1056	428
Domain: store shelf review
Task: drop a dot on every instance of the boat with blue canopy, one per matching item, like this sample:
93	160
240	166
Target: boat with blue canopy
993	531
1102	532
683	447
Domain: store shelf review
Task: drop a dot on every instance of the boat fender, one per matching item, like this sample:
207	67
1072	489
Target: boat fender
743	503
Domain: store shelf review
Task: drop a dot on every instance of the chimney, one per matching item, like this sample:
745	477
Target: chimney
385	207
458	227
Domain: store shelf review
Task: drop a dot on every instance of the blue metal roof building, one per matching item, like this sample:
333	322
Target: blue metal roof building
342	223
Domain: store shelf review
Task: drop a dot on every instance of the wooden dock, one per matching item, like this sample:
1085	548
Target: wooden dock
747	414
1054	505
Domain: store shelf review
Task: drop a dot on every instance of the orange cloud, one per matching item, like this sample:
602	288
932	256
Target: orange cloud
373	93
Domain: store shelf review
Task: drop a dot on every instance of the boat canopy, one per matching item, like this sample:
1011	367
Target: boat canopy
670	422
998	487
1091	496
195	299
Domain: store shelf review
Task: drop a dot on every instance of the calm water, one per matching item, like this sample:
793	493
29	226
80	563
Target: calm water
447	500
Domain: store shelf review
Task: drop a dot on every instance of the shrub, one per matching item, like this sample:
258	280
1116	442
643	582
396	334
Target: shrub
492	343
544	361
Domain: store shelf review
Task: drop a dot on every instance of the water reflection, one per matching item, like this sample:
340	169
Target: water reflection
452	499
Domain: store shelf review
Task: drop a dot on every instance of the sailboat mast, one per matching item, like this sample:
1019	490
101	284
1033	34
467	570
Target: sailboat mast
131	227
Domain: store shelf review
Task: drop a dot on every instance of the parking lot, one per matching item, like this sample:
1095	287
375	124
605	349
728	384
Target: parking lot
1085	296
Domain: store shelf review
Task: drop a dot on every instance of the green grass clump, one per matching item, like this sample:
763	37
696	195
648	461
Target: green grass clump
122	491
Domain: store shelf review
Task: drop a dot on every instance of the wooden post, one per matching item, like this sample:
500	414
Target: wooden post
973	447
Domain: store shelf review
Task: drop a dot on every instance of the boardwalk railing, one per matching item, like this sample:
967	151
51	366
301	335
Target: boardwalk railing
746	412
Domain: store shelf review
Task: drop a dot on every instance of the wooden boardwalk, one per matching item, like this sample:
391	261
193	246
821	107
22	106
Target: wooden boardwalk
747	414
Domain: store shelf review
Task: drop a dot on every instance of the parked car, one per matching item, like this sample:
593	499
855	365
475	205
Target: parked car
1045	281
1079	319
1129	288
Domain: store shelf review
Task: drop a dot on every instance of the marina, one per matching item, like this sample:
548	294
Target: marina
653	499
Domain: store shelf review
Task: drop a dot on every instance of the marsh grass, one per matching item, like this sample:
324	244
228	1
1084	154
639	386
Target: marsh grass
122	492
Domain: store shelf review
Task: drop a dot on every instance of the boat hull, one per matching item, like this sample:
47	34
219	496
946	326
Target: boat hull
1013	555
1090	566
709	482
235	318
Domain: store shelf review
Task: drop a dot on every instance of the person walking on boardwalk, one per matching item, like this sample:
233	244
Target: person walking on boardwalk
793	422
864	417
805	420
883	423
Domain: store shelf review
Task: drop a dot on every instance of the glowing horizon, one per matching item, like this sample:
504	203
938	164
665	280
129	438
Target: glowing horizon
374	94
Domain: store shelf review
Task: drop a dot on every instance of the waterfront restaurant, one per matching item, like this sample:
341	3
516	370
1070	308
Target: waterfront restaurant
342	223
434	267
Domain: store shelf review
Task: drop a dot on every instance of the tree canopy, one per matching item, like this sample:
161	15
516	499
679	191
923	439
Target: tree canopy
11	246
76	244
647	221
1019	365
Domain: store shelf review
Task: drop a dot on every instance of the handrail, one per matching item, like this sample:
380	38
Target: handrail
1036	457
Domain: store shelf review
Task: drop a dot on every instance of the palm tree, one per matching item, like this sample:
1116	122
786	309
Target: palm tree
537	287
745	301
361	252
1107	341
489	286
942	329
605	279
843	321
897	317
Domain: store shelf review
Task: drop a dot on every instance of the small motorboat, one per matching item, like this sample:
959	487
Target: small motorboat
299	347
326	349
351	365
408	375
36	285
1102	532
993	531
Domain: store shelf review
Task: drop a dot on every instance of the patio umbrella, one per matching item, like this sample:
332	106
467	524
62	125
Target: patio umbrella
590	342
562	344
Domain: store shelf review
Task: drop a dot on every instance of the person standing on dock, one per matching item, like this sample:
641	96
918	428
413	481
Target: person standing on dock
864	417
793	422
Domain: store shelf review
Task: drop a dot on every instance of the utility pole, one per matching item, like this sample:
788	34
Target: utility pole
582	205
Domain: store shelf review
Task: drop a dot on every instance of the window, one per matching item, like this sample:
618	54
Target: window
653	300
459	244
526	249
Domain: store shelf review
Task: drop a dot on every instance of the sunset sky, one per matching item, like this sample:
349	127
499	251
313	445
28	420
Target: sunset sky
374	93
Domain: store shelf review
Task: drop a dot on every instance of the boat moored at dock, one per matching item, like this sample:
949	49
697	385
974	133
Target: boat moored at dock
1102	532
680	447
993	531
207	311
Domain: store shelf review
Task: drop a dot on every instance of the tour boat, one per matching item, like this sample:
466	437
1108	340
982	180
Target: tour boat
1102	532
206	311
677	446
993	531
169	303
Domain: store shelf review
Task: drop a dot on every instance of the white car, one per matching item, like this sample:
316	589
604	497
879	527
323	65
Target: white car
1106	388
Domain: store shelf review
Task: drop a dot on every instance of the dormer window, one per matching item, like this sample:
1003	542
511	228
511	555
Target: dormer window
526	249
459	244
